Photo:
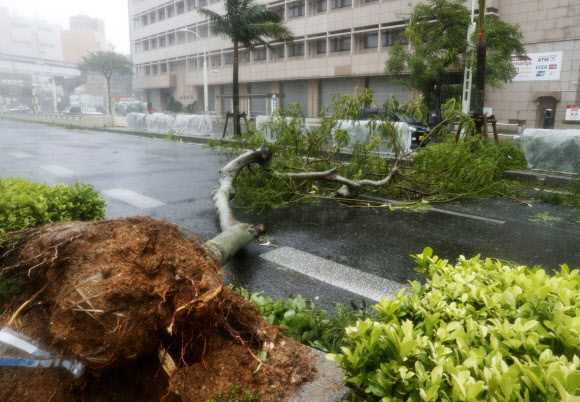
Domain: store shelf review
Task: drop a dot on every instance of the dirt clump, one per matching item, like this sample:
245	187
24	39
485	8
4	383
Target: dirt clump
119	296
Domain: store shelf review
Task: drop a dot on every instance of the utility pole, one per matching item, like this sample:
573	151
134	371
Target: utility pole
481	55
468	73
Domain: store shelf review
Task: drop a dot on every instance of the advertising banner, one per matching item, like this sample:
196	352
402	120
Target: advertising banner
573	112
538	66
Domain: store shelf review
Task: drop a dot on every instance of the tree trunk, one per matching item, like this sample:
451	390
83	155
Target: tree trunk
236	92
235	234
108	95
481	55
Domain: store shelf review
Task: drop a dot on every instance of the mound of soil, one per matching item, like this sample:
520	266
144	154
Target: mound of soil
119	296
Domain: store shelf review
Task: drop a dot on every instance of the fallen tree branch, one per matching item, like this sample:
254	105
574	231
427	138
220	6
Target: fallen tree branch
235	234
350	188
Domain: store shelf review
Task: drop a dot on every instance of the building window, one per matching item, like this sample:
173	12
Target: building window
171	66
371	40
164	68
180	7
321	46
146	45
296	49
162	41
155	69
153	43
202	3
152	17
170	11
340	44
341	3
145	19
147	70
371	1
321	5
296	10
228	58
280	51
279	10
170	39
203	31
192	64
260	54
216	61
161	14
190	4
390	38
244	56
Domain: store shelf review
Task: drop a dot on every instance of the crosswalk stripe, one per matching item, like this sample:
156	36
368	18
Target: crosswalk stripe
132	198
361	283
58	170
19	155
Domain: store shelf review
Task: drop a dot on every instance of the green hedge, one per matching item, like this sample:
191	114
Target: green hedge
479	330
26	204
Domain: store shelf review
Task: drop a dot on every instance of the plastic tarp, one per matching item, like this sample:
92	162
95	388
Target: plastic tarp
159	122
361	131
136	121
262	120
123	108
192	125
552	150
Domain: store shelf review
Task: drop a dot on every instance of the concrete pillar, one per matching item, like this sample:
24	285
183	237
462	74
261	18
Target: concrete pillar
218	90
244	103
360	83
313	98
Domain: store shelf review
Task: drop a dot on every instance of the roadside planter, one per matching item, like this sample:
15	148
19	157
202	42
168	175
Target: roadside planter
358	132
164	123
361	131
552	150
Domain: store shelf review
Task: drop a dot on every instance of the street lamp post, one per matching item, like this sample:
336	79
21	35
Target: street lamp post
205	90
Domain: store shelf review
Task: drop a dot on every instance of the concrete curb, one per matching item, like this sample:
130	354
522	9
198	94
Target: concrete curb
544	179
327	387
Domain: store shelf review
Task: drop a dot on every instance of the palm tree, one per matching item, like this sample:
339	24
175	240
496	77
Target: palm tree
247	24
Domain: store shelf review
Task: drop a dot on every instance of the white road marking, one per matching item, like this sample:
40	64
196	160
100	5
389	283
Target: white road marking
444	211
361	283
58	170
481	218
132	198
19	155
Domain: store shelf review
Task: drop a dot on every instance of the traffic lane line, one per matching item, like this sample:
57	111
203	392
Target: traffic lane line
132	198
58	170
369	286
19	155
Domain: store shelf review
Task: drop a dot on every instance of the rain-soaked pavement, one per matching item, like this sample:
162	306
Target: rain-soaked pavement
335	248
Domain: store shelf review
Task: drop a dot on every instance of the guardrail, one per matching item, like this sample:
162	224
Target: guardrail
87	121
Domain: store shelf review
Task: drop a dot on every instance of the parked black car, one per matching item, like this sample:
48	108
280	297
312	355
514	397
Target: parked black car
419	131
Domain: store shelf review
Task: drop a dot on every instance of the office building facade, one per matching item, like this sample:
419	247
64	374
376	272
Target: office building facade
339	45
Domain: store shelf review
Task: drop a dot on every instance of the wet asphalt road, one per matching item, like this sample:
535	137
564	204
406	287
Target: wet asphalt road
373	241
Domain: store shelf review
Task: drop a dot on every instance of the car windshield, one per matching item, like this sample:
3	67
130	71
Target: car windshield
407	118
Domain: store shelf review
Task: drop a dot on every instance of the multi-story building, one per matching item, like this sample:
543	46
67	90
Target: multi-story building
339	45
28	37
86	35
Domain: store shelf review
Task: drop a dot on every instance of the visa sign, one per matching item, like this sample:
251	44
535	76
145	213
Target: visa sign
538	66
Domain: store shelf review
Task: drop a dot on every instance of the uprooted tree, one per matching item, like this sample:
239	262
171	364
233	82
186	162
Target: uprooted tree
112	294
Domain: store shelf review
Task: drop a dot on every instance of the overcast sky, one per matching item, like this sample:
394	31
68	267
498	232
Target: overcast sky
114	12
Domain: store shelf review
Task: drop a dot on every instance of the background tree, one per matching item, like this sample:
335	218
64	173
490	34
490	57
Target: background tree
438	49
247	24
106	64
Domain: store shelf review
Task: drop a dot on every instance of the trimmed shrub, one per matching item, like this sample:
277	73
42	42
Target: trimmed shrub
26	204
479	330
